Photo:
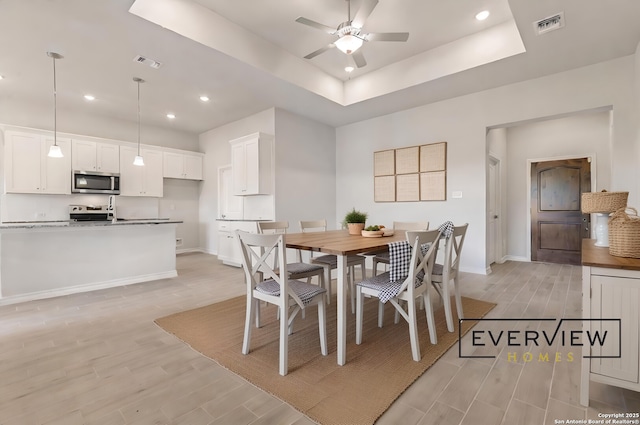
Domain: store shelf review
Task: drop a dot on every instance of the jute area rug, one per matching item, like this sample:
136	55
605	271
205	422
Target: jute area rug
376	372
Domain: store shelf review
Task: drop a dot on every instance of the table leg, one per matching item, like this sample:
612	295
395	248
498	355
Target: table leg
342	309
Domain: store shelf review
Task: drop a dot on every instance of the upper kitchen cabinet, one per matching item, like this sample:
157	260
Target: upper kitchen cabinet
88	155
182	166
138	180
252	164
29	169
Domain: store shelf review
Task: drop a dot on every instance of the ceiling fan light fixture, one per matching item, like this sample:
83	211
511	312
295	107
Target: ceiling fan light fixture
348	44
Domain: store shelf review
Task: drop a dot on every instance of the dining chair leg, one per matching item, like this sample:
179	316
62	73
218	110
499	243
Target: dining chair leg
247	326
380	313
352	283
257	313
413	330
456	290
322	325
359	314
428	307
446	299
327	278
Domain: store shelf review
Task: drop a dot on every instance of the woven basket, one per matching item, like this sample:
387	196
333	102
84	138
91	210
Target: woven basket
624	233
603	202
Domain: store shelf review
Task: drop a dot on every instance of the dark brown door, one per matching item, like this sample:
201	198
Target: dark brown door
557	223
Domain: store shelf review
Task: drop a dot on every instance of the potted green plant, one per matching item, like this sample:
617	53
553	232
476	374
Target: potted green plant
354	221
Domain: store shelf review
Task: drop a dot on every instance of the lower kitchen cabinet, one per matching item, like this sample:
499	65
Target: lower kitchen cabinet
228	246
610	290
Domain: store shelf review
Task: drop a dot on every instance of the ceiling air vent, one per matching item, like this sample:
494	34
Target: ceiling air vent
153	64
551	23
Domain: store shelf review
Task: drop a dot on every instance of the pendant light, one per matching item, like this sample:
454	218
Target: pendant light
138	159
54	150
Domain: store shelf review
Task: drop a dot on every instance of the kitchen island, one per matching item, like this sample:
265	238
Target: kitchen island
47	259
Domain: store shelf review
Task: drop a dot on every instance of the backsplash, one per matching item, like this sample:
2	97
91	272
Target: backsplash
26	207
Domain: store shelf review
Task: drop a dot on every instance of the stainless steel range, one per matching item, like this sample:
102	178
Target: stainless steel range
90	213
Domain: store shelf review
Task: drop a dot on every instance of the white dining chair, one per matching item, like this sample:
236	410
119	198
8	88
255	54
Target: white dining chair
448	270
401	293
383	257
330	261
299	269
264	283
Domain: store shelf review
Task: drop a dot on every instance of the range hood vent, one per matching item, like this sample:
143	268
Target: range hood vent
550	23
153	64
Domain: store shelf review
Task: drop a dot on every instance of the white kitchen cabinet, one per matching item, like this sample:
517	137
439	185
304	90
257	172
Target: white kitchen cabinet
88	155
229	251
182	166
610	290
29	169
143	180
252	164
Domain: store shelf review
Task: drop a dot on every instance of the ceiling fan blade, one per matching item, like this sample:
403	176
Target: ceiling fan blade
316	25
364	12
320	50
358	58
387	36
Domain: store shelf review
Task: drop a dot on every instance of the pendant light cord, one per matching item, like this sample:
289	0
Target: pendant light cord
55	106
138	82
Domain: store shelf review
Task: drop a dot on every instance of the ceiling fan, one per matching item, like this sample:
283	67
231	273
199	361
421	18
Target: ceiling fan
350	35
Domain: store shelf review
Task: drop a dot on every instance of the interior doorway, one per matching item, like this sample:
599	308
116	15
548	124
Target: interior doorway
557	223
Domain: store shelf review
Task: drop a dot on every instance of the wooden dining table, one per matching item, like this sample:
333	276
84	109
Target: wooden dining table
341	244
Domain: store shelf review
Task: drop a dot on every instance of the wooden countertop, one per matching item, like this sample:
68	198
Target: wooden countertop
597	256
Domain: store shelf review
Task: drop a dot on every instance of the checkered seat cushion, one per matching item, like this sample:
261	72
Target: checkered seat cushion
298	268
305	291
332	260
437	269
386	288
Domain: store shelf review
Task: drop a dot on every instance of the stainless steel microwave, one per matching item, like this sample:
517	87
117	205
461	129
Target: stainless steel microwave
94	182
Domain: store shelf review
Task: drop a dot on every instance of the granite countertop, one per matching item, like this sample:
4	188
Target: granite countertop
243	219
79	224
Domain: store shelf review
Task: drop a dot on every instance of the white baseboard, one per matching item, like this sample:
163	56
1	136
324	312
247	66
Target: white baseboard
476	270
14	299
188	250
516	258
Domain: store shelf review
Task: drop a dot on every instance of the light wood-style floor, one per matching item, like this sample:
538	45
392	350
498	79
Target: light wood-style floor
97	358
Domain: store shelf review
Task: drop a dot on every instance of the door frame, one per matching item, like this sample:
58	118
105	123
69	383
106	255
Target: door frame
498	233
590	156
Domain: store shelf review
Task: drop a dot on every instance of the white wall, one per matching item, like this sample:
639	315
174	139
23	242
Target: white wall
578	136
305	170
463	123
180	202
215	144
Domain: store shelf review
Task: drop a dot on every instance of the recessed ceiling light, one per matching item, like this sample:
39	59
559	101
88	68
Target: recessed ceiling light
204	98
89	97
482	15
349	68
171	116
